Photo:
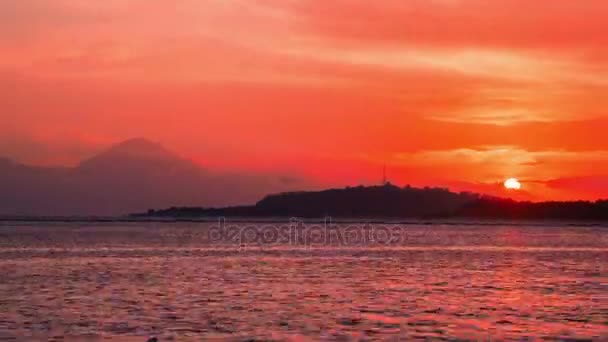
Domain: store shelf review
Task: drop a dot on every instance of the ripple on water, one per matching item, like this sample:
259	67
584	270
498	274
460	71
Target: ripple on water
105	289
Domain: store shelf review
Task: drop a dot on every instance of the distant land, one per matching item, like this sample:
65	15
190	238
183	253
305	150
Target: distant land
390	201
138	174
131	176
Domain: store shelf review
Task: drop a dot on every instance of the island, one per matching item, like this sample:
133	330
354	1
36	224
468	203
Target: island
390	201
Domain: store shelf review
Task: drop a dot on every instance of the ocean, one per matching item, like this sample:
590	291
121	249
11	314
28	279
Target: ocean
291	281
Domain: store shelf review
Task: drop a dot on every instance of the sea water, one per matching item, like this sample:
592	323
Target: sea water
182	281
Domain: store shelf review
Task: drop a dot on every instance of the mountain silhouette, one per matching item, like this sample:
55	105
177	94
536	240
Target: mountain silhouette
130	176
138	151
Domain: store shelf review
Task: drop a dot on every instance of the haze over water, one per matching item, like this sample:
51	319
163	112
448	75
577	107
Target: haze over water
130	281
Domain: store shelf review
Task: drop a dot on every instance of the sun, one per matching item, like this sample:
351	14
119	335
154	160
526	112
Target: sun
513	184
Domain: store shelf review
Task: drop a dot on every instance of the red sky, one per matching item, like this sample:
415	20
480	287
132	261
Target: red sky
461	93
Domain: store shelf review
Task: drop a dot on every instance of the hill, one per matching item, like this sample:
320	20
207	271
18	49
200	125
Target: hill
361	201
393	202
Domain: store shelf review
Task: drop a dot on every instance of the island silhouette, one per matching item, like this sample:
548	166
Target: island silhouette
390	201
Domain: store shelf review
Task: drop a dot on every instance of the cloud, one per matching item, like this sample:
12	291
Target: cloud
501	24
586	187
473	78
473	88
496	163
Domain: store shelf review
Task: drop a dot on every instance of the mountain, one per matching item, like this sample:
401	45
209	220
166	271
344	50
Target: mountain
134	152
131	176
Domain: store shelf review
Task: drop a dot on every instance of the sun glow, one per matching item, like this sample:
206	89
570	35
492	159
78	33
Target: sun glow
513	184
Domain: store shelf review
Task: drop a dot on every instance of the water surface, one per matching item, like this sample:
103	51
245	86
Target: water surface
129	281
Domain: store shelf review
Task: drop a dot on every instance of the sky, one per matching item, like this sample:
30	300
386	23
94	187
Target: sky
456	93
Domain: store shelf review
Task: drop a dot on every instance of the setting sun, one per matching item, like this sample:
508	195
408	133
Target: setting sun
512	183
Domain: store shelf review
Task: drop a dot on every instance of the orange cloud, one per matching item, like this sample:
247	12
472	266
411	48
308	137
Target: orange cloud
330	89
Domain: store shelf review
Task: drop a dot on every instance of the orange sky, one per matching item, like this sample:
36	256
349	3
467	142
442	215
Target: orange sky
461	93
